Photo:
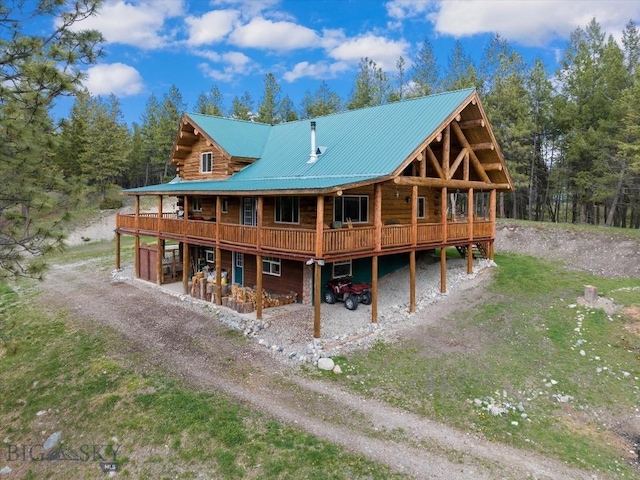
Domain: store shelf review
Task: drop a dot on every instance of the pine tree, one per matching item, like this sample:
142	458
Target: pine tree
461	71
35	70
371	86
211	103
323	102
242	108
425	72
268	108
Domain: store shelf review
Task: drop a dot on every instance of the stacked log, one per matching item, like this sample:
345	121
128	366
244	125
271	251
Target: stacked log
244	299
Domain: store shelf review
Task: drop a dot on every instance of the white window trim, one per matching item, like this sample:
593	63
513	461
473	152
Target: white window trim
271	262
196	204
210	256
202	160
240	260
344	262
275	212
225	205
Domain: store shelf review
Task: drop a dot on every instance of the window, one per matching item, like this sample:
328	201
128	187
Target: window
225	205
196	203
287	209
210	256
353	207
342	269
422	207
240	260
206	164
271	266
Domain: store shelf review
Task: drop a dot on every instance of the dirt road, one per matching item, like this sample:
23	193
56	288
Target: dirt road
189	342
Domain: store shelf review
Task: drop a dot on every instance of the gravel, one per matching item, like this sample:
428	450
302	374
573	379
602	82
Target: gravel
287	331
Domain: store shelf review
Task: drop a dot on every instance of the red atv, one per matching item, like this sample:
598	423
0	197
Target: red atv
346	291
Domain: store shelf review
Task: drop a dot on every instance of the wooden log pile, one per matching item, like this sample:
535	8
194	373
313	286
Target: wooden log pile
244	299
203	290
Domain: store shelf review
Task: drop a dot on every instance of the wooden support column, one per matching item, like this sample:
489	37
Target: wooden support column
377	217
443	269
159	256
185	268
319	226
492	219
117	250
136	244
259	209
186	251
423	164
258	287
414	215
465	167
446	151
443	213
317	298
412	281
218	255
159	244
218	213
374	289
470	219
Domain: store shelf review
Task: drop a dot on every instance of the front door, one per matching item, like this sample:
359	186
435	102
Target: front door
238	267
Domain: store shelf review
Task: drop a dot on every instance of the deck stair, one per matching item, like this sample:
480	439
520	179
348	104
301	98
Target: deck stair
479	250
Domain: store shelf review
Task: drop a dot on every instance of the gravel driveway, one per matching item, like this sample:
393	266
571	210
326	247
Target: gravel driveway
190	340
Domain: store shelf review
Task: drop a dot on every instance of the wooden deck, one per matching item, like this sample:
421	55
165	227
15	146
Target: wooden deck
302	242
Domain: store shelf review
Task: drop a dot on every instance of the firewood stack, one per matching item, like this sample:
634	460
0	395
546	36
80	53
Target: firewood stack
244	299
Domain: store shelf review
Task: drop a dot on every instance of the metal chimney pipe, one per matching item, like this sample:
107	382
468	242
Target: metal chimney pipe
313	157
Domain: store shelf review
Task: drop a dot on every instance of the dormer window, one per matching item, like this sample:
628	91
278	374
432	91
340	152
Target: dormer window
206	164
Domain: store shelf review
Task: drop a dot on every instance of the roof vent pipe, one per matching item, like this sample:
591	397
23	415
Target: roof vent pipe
314	156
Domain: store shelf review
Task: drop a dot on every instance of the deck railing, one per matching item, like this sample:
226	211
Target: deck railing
303	241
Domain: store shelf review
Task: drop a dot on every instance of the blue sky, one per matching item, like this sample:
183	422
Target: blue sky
194	44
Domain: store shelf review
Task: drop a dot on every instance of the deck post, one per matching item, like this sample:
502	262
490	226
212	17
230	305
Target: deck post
470	218
377	216
159	257
374	289
443	213
412	281
136	243
218	255
414	215
492	219
117	250
160	244
185	268
317	298
319	226
443	269
259	210
259	287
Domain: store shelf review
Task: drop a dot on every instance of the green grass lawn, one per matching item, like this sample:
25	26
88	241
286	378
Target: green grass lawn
58	378
537	371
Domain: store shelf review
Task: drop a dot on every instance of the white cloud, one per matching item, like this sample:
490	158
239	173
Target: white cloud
269	35
211	27
250	8
402	9
114	78
381	50
533	23
138	24
320	70
233	65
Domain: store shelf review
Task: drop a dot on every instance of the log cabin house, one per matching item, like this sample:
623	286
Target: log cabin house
287	207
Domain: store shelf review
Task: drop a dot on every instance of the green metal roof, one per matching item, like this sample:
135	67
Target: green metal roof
361	145
237	137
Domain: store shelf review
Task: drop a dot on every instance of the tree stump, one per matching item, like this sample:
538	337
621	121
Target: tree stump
590	293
